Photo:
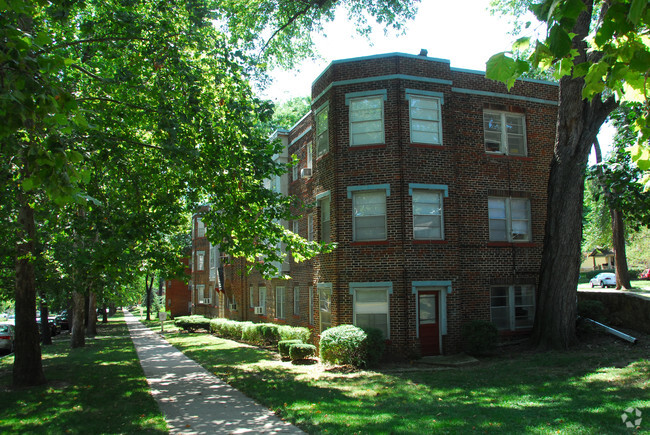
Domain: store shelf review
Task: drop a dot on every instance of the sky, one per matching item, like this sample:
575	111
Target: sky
461	31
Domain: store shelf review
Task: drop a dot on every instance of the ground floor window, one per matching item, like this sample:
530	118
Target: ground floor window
325	305
262	299
512	307
279	302
371	305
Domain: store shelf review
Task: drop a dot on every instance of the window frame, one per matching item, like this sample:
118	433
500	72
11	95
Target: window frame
504	147
324	289
280	299
354	193
443	191
261	291
438	97
251	296
508	220
310	227
200	261
357	288
352	99
325	216
310	295
322	133
511	306
296	300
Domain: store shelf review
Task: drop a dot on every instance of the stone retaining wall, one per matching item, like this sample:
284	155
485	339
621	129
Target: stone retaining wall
624	309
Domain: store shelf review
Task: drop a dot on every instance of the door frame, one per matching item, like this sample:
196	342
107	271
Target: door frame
443	288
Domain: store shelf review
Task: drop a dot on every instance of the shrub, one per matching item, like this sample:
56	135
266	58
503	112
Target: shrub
480	337
294	333
226	328
592	309
192	323
343	344
284	345
375	344
299	351
261	333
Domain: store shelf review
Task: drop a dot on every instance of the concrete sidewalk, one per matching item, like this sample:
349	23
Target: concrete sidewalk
193	400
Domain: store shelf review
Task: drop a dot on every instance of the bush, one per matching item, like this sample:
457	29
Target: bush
284	345
192	323
344	344
261	334
226	328
375	345
294	333
298	351
480	337
594	310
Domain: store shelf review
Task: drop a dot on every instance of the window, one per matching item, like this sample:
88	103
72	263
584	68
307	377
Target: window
280	295
310	292
201	228
371	306
309	155
322	131
512	307
509	219
427	214
505	133
262	299
296	301
325	305
310	227
294	169
200	260
202	294
295	227
325	219
251	296
367	120
424	116
369	215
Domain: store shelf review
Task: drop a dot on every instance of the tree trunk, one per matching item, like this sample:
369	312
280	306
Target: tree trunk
620	258
577	127
148	284
46	332
28	366
78	338
91	328
104	314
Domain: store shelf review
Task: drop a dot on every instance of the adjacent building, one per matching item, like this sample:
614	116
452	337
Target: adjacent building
431	180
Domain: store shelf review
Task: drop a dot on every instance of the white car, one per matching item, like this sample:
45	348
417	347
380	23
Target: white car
603	280
7	337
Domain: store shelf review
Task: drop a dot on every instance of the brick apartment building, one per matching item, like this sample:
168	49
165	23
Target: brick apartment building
177	294
431	180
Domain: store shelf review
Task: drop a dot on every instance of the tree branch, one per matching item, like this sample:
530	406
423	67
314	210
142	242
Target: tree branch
85	71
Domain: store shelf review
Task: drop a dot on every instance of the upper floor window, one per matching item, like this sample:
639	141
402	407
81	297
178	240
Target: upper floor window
428	223
322	130
200	228
366	117
505	133
512	307
310	227
509	219
425	119
324	204
295	170
309	155
200	260
369	212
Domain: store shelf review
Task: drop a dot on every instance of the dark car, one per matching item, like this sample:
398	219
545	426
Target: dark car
51	321
61	320
645	274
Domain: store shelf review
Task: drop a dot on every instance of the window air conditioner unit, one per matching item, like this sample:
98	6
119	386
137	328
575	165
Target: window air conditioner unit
305	173
232	307
259	310
206	300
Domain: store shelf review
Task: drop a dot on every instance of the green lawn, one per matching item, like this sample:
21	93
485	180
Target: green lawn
580	392
98	389
638	286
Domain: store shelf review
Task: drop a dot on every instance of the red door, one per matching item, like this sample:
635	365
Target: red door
428	323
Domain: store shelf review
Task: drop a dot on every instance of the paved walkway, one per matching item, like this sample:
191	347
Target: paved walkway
193	400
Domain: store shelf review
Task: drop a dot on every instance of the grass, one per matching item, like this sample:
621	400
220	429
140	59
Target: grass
583	391
638	286
97	389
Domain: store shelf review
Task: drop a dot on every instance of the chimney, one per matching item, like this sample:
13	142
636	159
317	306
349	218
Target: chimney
423	52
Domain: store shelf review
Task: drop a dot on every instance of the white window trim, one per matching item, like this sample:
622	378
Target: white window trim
439	97
262	300
251	296
508	219
354	286
310	154
200	260
321	152
382	95
280	301
503	145
510	304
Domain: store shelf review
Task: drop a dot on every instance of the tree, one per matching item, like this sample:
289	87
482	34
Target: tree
599	53
147	82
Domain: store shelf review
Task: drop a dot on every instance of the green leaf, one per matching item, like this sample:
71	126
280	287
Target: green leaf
501	68
636	10
28	184
581	69
75	156
559	41
640	61
521	43
572	8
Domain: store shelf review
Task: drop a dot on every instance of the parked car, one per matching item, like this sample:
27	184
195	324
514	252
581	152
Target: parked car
61	320
605	279
51	321
645	274
7	337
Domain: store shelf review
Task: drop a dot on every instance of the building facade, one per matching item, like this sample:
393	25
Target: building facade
432	182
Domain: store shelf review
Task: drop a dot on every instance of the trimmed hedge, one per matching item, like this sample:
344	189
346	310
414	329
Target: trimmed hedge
192	323
480	337
298	351
226	328
344	344
294	333
375	345
285	345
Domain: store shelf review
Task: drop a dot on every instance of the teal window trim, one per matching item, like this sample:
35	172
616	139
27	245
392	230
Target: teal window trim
354	285
322	107
416	284
385	187
508	96
322	195
443	187
300	136
415	93
383	93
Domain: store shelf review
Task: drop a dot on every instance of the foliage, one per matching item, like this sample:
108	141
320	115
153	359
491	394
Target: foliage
344	344
375	346
261	333
192	323
288	113
298	351
284	345
231	329
638	250
294	333
593	309
479	337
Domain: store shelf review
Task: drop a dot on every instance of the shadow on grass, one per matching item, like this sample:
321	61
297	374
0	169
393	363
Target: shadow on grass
99	388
